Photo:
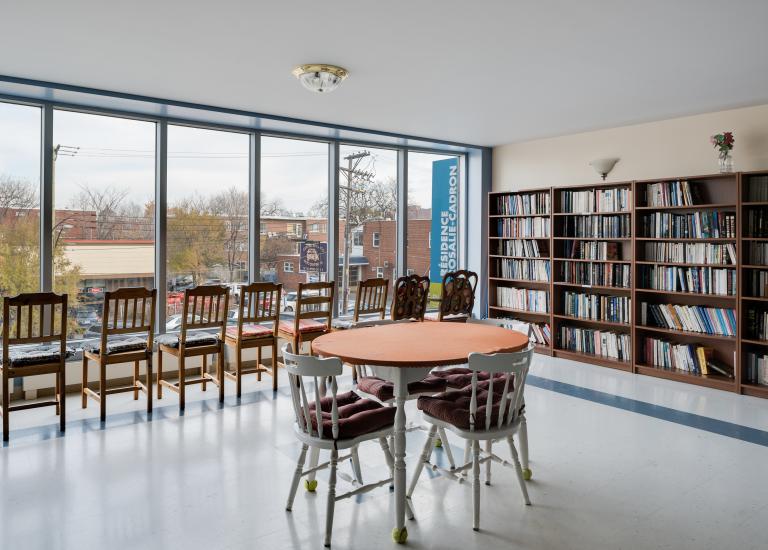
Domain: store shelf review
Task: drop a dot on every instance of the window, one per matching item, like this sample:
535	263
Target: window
433	208
20	199
379	272
288	267
104	232
208	178
315	228
263	228
294	195
410	272
367	208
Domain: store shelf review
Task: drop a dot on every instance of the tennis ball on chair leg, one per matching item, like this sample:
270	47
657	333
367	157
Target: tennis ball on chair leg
400	535
310	485
438	442
527	474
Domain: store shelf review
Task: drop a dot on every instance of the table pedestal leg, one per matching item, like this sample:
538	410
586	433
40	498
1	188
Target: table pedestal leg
400	533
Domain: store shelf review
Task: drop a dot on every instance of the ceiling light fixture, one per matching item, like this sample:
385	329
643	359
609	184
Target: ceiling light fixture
604	166
320	77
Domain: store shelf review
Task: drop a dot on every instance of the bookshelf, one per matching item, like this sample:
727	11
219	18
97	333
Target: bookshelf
677	272
519	260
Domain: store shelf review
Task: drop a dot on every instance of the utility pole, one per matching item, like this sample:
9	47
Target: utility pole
353	175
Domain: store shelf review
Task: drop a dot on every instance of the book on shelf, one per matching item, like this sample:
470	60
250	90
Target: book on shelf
701	319
696	280
611	345
591	250
540	332
757	253
597	307
597	274
757	222
716	366
527	248
523	299
692	225
672	193
756	283
532	270
757	188
595	200
756	323
523	227
756	368
598	226
692	358
691	253
523	204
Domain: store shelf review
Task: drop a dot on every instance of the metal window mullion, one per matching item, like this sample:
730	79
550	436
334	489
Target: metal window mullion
161	221
333	217
402	212
254	208
47	174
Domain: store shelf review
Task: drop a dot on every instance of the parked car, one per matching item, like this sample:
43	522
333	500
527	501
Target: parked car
174	322
86	318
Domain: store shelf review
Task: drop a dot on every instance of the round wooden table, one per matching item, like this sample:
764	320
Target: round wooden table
405	352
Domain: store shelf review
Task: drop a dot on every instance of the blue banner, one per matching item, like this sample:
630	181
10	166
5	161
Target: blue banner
313	257
444	252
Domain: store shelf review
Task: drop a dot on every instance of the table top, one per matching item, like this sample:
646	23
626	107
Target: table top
420	344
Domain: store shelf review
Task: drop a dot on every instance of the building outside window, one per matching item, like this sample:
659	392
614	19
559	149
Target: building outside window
288	267
376	239
379	272
357	237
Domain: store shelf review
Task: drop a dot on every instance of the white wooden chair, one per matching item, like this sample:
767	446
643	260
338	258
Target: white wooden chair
333	422
466	414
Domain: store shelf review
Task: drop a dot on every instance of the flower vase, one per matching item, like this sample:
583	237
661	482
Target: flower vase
726	162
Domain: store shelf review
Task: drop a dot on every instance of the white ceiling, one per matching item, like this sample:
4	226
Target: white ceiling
483	72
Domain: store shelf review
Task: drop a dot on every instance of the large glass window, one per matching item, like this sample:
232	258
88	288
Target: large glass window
19	199
104	189
433	217
294	213
367	219
207	243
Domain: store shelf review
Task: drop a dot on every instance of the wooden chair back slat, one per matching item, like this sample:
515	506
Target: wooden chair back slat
215	317
122	307
410	298
371	298
458	293
314	301
260	303
27	320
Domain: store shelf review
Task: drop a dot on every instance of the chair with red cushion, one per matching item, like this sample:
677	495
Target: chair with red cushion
332	422
486	411
313	314
258	316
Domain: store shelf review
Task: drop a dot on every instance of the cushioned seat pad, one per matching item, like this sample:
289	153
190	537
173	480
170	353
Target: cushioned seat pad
357	416
37	355
453	407
194	339
461	377
305	325
251	331
385	391
118	345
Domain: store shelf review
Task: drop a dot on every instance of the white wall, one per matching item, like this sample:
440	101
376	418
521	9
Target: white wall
670	148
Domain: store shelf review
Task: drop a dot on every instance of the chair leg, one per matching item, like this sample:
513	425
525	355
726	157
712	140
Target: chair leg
274	365
331	497
488	450
523	437
83	396
258	365
297	476
149	383
6	405
476	485
182	386
203	370
135	380
446	447
426	453
239	370
310	484
518	470
356	465
103	390
159	374
220	373
61	397
57	393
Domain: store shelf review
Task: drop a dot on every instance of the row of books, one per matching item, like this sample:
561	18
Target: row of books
691	358
756	284
591	250
698	225
672	193
523	227
597	307
702	319
532	270
540	332
757	253
757	188
611	345
527	248
756	324
757	222
523	204
756	369
597	226
595	200
698	280
582	273
523	299
691	253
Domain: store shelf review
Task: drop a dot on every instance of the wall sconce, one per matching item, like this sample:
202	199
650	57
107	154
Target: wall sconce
604	166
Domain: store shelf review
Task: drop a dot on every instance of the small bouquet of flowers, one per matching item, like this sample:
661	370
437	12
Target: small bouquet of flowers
723	142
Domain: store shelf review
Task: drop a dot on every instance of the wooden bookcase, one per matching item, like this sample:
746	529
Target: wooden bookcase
496	280
726	193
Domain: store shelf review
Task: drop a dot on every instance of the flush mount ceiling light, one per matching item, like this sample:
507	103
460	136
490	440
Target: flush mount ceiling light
320	77
604	166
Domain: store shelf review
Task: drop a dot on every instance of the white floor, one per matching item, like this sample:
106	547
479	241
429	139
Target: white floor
217	478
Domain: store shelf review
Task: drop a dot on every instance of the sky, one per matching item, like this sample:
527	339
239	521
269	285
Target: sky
100	151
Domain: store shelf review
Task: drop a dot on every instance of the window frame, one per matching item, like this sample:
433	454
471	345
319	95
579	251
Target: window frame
285	266
376	239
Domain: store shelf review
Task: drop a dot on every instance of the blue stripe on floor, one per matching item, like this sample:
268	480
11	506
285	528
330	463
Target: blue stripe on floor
705	423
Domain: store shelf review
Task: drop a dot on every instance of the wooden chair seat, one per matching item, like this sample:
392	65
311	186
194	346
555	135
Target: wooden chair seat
384	390
305	326
193	340
117	345
250	332
39	355
356	416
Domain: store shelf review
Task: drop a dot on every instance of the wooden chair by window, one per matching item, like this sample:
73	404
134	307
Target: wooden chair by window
313	301
205	307
488	411
370	303
457	297
127	330
410	298
38	322
257	321
332	422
